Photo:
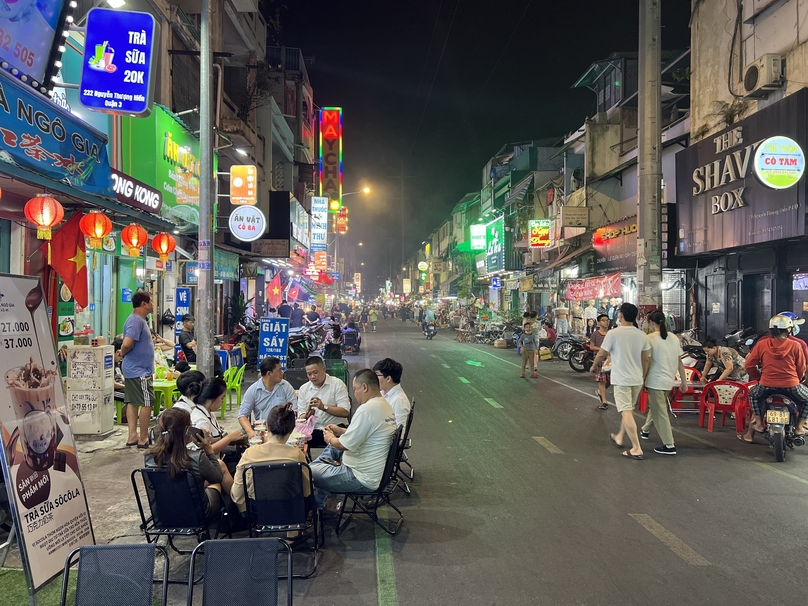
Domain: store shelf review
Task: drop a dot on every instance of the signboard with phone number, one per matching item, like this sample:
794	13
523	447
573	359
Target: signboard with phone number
28	34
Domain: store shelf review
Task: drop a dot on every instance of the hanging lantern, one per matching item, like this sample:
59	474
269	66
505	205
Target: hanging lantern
134	236
95	225
44	212
164	244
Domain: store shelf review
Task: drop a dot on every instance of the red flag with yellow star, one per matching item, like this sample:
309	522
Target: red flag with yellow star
68	258
275	291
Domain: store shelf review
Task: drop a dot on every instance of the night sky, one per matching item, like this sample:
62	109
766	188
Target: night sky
378	60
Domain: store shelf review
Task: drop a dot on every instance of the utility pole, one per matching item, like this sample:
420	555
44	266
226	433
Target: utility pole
204	291
649	241
402	212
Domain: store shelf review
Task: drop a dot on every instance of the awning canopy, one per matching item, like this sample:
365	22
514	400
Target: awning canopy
546	272
519	191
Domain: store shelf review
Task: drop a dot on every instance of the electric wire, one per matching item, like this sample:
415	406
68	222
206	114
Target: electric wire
423	71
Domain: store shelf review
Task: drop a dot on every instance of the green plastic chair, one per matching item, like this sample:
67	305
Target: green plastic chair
234	381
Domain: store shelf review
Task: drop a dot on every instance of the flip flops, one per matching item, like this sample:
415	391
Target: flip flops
628	455
611	437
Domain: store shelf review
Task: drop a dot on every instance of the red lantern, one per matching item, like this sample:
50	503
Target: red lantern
44	212
134	236
95	225
164	244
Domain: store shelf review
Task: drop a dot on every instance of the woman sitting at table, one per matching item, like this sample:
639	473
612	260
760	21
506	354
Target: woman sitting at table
207	398
189	384
729	362
177	449
280	424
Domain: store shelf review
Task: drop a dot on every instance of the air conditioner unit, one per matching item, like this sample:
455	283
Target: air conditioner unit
763	76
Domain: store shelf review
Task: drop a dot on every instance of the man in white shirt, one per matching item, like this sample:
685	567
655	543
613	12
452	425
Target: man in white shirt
354	458
631	357
325	397
389	372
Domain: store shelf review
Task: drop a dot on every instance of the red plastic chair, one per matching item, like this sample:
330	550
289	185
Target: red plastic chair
692	395
724	397
744	410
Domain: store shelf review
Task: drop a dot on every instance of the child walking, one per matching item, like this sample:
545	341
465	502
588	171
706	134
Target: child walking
529	346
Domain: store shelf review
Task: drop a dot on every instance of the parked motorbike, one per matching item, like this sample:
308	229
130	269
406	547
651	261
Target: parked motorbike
430	331
565	344
303	341
738	340
781	419
581	357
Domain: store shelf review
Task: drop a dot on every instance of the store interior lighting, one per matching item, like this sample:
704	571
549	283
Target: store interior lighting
116	3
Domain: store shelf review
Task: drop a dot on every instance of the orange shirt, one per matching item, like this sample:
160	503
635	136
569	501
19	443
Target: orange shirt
782	363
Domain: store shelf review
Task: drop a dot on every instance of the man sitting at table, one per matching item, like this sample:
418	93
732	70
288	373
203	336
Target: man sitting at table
354	458
269	391
389	372
325	397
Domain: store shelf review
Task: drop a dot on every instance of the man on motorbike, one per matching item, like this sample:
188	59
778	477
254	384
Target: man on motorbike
429	316
782	365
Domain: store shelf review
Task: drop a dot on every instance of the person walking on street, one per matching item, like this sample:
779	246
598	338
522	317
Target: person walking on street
666	364
529	345
137	365
601	377
631	356
373	316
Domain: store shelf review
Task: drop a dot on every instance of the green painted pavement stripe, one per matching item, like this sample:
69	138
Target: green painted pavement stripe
464	380
385	572
493	403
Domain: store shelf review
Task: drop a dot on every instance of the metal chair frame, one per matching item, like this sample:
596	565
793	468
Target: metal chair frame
256	528
69	562
405	444
381	495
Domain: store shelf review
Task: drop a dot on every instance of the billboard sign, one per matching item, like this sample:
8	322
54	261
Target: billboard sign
243	182
477	236
357	278
331	157
406	286
116	74
319	224
247	223
495	252
273	339
539	233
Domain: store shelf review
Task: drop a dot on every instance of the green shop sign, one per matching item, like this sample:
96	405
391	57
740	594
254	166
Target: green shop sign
494	254
160	151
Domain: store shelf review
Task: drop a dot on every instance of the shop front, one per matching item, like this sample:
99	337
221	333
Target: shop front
741	219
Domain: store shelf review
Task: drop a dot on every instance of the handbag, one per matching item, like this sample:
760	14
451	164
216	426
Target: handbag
168	319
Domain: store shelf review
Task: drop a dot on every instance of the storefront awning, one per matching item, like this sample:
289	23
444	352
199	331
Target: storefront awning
546	272
519	191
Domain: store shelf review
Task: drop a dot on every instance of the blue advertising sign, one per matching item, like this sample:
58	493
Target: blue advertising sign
43	137
119	50
273	339
235	358
496	283
183	299
29	34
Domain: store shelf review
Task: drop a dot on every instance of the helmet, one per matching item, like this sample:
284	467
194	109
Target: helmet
793	316
782	322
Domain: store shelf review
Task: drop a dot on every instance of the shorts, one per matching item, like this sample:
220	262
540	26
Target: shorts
139	392
625	397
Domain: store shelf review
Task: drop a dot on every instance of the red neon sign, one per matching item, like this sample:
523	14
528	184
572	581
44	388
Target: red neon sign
331	156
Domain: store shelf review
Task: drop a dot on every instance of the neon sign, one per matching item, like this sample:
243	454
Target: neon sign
539	233
331	157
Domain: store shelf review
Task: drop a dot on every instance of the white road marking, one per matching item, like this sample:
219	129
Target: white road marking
548	445
673	542
445	365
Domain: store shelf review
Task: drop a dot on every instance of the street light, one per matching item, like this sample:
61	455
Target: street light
361	264
361	244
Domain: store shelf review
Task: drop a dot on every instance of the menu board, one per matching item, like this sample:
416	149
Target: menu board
38	453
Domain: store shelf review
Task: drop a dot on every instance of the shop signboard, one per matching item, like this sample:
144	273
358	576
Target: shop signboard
136	194
615	247
406	286
116	75
496	283
319	224
357	278
321	261
477	231
273	339
574	216
243	182
331	157
727	192
160	151
594	288
225	267
273	248
494	255
247	223
539	233
38	452
183	299
31	33
41	136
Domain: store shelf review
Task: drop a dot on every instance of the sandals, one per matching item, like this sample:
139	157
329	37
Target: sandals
603	404
611	437
628	455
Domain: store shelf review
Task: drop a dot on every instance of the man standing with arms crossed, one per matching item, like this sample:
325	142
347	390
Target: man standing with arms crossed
631	357
137	353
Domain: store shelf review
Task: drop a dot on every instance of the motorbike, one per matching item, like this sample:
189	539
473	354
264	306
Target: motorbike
565	344
781	419
303	341
581	357
739	340
430	331
247	332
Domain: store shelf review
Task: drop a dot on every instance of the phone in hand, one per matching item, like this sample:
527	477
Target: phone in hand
196	434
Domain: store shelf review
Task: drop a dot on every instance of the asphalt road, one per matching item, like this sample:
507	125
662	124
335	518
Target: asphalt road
520	498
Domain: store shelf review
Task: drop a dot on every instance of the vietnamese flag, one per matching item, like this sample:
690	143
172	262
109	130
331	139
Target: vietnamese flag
275	291
293	293
68	258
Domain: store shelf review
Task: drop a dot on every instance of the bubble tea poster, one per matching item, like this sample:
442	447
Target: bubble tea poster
38	450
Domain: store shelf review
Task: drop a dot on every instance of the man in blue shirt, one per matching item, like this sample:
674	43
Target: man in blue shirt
285	310
269	391
296	317
137	352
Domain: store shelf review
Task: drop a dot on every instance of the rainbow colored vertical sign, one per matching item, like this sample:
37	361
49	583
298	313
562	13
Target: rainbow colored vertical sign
331	157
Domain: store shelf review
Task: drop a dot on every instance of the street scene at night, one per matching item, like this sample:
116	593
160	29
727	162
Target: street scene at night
403	303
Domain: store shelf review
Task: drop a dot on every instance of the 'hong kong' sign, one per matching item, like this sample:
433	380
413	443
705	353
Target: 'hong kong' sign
744	185
136	194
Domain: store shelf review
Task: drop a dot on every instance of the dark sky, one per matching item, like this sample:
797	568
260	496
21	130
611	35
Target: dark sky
378	59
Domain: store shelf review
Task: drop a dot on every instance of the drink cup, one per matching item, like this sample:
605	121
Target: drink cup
109	55
27	399
38	440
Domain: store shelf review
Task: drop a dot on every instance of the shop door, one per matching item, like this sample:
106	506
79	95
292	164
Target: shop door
756	301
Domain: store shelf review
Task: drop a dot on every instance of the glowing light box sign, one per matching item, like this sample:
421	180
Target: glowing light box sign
539	233
779	162
331	157
478	236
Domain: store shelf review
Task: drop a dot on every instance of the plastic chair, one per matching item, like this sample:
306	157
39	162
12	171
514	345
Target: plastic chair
744	409
254	580
234	377
724	397
115	574
693	395
402	455
280	505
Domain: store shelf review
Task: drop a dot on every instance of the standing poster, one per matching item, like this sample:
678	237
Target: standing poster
273	339
38	453
183	298
66	323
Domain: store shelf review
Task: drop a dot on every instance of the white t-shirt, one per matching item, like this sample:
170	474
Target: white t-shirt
332	392
400	403
203	419
367	441
626	345
665	356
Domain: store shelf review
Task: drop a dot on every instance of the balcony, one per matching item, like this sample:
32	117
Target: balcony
288	59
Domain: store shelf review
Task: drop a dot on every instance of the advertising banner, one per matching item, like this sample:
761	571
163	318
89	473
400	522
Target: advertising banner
406	286
331	157
29	34
494	255
744	185
183	298
357	278
38	451
41	136
243	182
477	231
615	247
273	339
594	288
319	224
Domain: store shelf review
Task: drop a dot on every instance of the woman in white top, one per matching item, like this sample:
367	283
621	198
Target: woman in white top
666	363
207	401
189	384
